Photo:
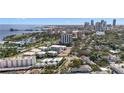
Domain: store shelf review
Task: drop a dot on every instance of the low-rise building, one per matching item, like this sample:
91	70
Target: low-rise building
50	62
100	72
35	50
114	51
58	48
47	60
81	69
44	48
52	53
29	54
113	58
2	42
99	33
41	54
87	60
23	41
116	69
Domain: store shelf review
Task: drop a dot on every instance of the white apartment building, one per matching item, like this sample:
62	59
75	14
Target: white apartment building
17	62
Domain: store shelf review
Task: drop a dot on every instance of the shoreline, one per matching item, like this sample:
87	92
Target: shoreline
6	33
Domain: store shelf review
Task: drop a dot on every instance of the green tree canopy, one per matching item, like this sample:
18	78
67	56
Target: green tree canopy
76	62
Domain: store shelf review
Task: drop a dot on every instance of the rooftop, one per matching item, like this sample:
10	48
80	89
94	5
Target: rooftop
82	69
100	72
117	68
114	51
57	59
100	33
58	46
52	51
43	47
29	53
40	53
35	50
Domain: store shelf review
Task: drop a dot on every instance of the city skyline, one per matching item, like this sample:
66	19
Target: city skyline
97	47
58	21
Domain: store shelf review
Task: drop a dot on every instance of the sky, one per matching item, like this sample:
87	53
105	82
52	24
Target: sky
56	20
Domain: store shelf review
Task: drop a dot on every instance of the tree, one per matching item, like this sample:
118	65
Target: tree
104	62
48	71
76	62
95	68
113	46
93	56
122	57
11	29
122	48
